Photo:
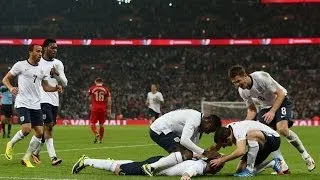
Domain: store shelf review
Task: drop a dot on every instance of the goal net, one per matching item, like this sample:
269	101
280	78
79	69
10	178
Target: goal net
225	109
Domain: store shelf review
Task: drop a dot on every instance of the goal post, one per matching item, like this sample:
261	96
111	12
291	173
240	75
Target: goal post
225	109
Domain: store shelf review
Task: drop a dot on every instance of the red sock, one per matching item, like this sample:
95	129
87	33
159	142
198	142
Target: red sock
94	129
101	132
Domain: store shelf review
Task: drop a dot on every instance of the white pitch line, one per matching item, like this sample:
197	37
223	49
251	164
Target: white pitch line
80	149
9	177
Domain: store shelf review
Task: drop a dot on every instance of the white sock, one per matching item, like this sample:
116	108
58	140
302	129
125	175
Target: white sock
109	165
168	161
277	154
264	165
296	142
16	138
252	154
50	148
33	145
37	151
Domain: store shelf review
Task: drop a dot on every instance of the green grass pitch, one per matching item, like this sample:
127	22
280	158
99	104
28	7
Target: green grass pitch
133	142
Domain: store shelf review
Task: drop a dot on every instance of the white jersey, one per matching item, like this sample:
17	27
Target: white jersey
240	129
262	90
29	83
53	97
153	103
191	167
184	123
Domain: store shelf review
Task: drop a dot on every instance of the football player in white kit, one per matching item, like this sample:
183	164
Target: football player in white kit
185	169
276	108
178	132
31	79
154	101
50	100
261	141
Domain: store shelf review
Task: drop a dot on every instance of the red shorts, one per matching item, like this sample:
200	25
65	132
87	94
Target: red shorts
97	117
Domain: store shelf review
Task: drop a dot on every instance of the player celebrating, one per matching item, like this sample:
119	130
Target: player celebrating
31	79
50	100
260	139
186	169
100	104
178	132
275	106
154	101
6	110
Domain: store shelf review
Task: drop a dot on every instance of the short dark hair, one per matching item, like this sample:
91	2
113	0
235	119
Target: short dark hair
216	119
98	80
31	47
48	41
236	70
221	134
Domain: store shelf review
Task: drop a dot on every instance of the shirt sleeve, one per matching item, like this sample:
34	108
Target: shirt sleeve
62	79
161	97
239	133
196	169
246	99
187	133
16	69
268	82
90	91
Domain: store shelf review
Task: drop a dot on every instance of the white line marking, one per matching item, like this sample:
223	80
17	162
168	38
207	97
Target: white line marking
80	149
32	178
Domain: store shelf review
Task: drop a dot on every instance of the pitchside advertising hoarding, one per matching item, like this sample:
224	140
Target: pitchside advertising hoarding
145	122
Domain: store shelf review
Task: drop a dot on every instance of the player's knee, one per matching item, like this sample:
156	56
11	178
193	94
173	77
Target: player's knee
186	154
284	131
26	130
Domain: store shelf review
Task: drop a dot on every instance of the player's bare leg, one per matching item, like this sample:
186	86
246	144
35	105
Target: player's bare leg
293	139
94	131
101	133
3	126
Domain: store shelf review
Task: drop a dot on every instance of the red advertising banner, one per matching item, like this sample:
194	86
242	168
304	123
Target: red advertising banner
168	42
290	1
145	122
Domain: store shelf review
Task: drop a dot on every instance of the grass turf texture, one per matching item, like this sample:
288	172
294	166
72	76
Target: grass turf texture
133	143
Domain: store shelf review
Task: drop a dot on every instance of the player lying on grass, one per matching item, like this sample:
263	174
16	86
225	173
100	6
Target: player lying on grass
185	169
260	141
178	132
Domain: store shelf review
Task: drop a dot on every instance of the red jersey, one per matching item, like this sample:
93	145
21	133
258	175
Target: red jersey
99	95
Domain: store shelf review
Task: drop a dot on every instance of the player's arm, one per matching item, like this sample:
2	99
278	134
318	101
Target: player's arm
48	88
251	112
6	81
279	99
185	140
59	75
148	100
109	103
238	152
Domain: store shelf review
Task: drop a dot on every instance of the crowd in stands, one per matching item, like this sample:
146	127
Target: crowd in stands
185	74
156	19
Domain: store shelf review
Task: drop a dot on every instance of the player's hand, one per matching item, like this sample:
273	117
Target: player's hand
59	88
54	71
198	156
185	177
109	113
216	162
268	117
14	90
